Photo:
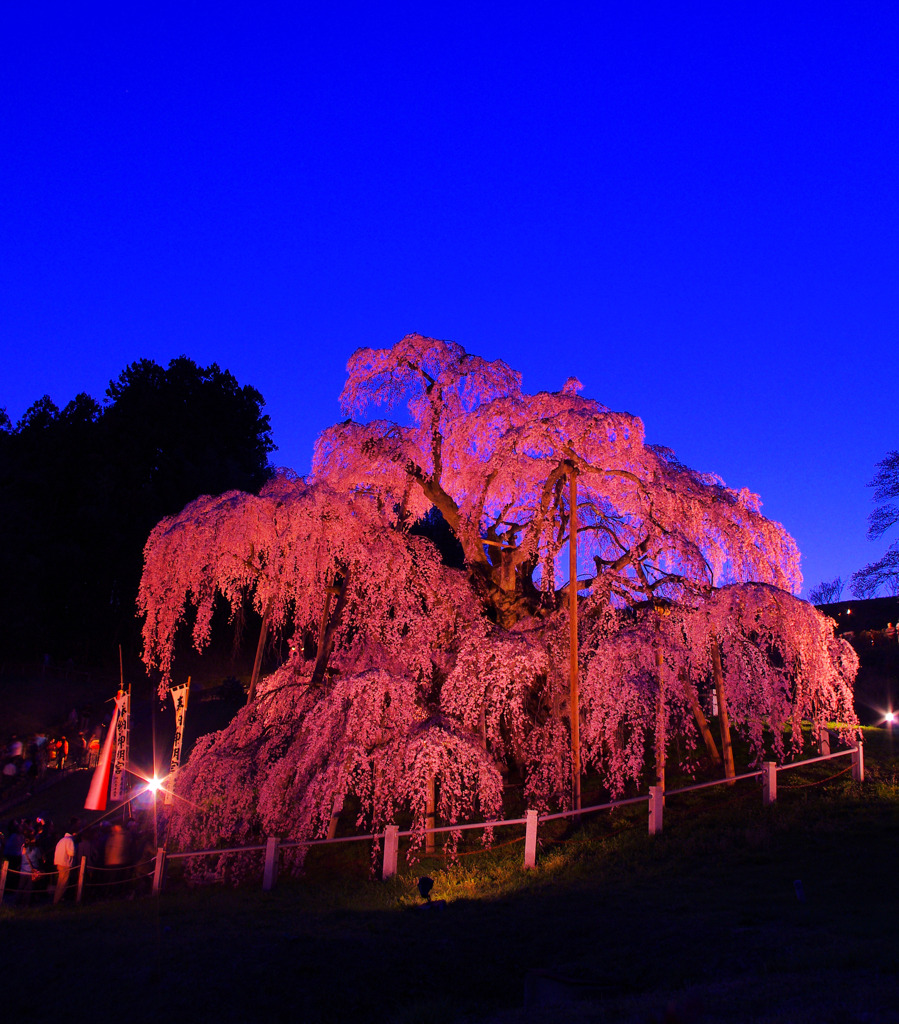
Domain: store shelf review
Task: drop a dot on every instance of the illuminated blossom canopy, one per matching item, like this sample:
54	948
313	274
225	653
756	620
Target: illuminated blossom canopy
410	676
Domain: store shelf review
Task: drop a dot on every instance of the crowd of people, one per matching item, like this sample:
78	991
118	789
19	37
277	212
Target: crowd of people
44	866
26	761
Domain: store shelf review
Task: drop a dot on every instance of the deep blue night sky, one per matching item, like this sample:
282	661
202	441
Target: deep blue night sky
692	209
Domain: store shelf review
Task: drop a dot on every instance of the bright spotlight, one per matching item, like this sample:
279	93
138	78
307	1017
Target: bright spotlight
154	784
890	717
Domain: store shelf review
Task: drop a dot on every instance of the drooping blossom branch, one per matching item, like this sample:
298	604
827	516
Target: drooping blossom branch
409	678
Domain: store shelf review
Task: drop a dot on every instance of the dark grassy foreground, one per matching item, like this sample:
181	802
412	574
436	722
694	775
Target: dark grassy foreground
701	924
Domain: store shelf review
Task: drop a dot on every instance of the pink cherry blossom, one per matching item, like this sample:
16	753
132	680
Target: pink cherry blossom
408	676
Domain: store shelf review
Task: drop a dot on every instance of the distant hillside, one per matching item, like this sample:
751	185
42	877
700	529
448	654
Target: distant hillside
854	616
871	627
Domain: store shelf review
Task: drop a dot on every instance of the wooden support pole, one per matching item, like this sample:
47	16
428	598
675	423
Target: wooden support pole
530	840
323	625
335	816
574	699
656	809
329	623
159	871
701	720
270	875
4	868
260	647
769	782
431	798
391	851
858	762
661	724
723	719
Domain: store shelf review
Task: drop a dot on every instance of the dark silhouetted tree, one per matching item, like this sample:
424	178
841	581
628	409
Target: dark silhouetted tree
884	573
81	488
827	591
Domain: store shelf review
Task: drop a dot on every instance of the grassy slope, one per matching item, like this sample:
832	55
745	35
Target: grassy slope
701	923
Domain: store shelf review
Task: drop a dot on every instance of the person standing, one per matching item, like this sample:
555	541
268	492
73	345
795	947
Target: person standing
93	748
79	753
63	858
117	856
13	849
32	862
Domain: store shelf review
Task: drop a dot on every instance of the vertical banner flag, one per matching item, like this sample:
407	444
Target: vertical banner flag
96	797
120	761
179	697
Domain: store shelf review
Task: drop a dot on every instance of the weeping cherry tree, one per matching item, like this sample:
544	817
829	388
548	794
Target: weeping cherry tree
416	687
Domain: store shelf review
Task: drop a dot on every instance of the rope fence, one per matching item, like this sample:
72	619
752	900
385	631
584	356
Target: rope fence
818	782
392	834
82	877
90	876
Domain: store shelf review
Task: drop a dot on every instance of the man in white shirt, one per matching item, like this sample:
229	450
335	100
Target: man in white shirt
64	858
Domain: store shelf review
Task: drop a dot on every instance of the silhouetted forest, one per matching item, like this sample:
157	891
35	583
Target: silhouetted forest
81	488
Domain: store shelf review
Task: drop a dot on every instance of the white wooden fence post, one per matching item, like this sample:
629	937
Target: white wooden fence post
858	762
82	867
656	805
824	741
391	851
159	871
271	863
530	840
769	782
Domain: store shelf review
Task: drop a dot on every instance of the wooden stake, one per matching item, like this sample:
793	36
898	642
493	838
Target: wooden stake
656	809
391	851
572	616
530	840
661	731
769	782
82	868
723	719
429	814
159	870
270	873
823	740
